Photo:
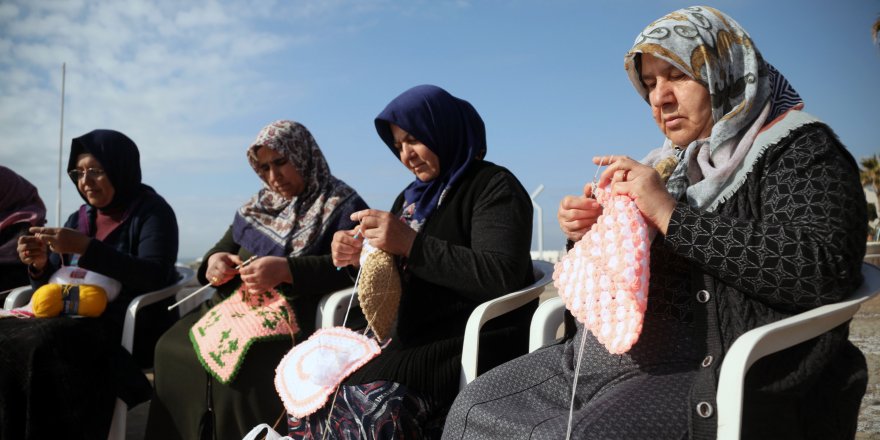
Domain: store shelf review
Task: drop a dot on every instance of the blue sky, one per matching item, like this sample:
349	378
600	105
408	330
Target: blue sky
193	82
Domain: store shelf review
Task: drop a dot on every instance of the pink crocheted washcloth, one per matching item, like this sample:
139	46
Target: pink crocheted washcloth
603	279
312	370
223	336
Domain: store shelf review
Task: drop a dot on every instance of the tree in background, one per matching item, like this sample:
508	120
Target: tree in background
869	175
875	31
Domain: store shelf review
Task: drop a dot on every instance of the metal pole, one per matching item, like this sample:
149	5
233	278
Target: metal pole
540	220
60	144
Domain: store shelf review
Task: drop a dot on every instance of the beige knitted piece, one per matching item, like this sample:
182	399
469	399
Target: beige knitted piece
379	290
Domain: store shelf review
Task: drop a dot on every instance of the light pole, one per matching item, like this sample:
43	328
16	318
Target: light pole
540	220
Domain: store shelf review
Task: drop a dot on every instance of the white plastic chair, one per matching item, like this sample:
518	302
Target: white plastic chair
747	349
22	295
493	309
332	308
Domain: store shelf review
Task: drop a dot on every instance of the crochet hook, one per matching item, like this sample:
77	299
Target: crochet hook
201	289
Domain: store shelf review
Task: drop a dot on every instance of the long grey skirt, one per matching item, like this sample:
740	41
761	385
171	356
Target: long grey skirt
639	394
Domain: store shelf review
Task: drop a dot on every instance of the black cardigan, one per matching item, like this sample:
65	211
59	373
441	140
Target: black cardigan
790	239
475	247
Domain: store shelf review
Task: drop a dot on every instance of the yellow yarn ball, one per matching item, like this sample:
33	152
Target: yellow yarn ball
92	301
47	301
83	300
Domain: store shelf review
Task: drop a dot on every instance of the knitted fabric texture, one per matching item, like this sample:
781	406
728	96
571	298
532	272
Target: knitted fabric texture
604	278
379	290
312	370
223	336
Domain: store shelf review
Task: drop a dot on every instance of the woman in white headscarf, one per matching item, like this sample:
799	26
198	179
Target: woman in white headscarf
759	215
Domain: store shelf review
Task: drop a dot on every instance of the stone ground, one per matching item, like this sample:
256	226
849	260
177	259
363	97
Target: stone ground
864	332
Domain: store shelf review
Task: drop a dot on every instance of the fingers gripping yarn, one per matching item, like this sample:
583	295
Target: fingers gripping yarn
603	279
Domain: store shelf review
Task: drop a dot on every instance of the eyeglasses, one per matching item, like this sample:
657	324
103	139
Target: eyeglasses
93	173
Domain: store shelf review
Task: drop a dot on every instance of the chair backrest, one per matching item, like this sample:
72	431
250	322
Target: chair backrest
770	338
492	309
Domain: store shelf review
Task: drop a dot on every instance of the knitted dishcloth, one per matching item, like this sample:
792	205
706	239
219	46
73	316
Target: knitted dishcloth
603	279
223	336
312	370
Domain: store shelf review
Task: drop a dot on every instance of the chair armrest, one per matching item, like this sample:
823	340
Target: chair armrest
186	275
545	323
332	307
494	308
770	338
18	297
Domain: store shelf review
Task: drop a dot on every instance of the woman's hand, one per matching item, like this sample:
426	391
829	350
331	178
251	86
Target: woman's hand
62	240
385	231
577	214
642	184
265	273
345	249
222	268
32	251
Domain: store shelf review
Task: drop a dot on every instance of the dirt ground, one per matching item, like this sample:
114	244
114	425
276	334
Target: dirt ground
865	333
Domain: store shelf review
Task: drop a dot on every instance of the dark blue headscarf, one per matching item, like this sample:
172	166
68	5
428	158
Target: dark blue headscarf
120	159
450	127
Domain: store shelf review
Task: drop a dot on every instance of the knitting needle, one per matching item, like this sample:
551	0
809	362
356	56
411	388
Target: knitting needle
200	289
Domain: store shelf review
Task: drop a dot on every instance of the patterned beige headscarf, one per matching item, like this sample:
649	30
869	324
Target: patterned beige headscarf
269	224
745	92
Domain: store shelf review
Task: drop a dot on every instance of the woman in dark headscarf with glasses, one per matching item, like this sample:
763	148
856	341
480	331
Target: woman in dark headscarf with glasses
762	217
62	375
460	234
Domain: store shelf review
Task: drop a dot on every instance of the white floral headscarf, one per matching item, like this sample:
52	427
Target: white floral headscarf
745	92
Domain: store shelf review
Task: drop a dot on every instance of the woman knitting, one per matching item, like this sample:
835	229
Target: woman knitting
762	217
124	231
289	225
460	234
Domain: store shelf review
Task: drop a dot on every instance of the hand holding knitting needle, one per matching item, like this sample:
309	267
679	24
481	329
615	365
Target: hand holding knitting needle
201	289
264	274
385	231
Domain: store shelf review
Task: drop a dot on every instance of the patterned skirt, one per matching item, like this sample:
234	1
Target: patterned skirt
377	410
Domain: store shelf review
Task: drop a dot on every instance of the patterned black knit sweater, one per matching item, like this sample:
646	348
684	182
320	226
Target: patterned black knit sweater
790	239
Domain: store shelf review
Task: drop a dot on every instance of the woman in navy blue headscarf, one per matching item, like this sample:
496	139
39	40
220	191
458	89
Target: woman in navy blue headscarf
460	234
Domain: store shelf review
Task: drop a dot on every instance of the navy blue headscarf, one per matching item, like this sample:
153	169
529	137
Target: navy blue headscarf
450	127
120	159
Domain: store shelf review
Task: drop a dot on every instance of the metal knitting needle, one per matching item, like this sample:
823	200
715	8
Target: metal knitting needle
200	289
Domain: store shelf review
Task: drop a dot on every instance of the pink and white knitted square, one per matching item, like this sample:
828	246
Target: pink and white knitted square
603	279
311	371
223	336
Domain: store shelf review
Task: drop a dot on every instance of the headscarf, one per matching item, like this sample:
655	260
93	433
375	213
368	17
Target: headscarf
19	203
121	161
269	224
450	127
745	91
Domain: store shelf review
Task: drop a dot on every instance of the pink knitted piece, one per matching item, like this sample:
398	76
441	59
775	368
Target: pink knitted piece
604	278
223	336
311	371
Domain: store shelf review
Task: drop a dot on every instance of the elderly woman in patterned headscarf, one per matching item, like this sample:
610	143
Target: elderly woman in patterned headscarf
759	215
289	224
